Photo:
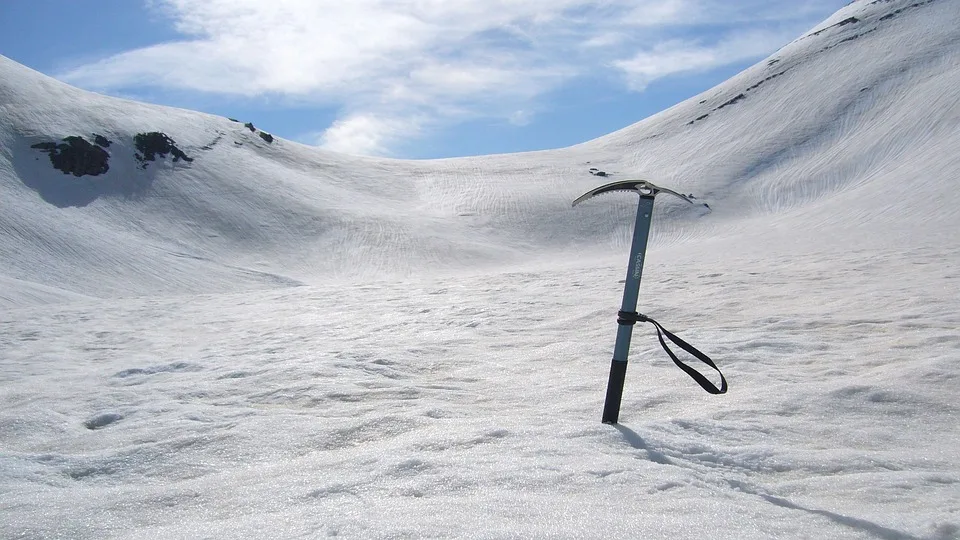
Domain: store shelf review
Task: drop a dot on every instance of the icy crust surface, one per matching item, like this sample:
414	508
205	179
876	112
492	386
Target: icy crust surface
471	408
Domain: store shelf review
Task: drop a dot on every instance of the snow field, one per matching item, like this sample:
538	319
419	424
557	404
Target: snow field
278	342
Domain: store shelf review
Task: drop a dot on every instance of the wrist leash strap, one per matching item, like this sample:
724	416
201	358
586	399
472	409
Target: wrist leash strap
631	318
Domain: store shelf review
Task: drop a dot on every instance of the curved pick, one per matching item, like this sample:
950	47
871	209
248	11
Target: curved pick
641	187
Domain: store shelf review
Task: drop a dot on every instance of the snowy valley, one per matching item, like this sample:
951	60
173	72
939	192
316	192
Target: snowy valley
207	331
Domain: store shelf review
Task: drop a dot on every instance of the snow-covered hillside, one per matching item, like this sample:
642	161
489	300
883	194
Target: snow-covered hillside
829	126
246	337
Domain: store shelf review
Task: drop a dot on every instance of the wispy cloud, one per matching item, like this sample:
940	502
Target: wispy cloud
398	67
680	56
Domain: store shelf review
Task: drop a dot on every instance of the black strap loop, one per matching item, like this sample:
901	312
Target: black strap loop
626	317
630	317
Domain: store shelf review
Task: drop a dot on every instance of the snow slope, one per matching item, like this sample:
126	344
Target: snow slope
273	341
835	121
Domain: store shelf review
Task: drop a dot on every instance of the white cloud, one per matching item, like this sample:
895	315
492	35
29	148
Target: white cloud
426	62
677	56
663	12
367	134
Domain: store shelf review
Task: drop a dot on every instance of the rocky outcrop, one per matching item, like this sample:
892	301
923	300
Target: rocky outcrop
77	156
153	144
253	129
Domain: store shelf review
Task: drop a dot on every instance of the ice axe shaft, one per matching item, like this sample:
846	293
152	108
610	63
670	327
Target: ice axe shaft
631	291
631	287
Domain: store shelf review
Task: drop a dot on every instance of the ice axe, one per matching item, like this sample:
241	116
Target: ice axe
628	316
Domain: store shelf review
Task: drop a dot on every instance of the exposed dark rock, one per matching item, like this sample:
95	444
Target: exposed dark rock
772	62
214	142
774	76
101	141
886	17
848	20
851	38
855	36
156	143
736	98
76	156
249	125
851	20
266	136
233	120
893	14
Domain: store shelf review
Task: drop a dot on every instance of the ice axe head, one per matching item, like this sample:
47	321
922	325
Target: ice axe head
641	187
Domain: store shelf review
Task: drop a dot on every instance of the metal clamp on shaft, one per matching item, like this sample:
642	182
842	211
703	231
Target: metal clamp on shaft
630	317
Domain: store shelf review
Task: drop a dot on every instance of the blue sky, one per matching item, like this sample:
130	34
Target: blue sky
407	78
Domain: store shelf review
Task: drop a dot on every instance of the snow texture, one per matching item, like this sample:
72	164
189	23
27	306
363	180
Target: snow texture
275	341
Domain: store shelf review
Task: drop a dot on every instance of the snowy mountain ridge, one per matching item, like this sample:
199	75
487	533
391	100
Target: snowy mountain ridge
255	213
252	213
